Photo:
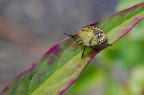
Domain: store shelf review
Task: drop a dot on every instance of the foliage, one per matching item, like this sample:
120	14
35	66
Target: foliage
60	66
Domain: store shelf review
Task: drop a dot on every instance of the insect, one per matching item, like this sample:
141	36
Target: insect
90	35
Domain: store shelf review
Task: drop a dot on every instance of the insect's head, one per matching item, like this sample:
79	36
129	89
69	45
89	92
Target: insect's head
99	34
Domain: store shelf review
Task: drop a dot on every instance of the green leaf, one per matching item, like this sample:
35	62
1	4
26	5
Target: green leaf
60	66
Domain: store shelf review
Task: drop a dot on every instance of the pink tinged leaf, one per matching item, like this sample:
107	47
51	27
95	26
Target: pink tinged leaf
59	68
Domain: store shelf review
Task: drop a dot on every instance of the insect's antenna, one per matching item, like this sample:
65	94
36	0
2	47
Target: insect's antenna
68	35
72	36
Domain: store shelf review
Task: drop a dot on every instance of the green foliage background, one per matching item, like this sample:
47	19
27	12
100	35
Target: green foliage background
117	70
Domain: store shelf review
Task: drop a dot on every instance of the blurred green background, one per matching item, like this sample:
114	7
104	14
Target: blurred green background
29	27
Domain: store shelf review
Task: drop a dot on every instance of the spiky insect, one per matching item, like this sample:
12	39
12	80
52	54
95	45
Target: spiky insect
91	35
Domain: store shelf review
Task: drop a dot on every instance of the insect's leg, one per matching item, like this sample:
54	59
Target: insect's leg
105	45
83	52
101	45
97	21
94	24
79	43
93	48
108	44
77	47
